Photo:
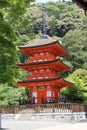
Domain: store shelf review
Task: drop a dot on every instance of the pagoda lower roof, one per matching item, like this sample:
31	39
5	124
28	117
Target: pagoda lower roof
59	82
57	64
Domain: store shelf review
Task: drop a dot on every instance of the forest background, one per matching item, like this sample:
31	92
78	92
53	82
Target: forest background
20	22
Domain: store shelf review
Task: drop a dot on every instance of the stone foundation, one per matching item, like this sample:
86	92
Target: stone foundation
75	116
69	116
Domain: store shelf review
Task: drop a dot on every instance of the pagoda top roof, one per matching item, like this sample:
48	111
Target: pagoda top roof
39	42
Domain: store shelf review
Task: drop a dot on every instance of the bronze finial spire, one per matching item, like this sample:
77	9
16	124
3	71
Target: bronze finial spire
43	23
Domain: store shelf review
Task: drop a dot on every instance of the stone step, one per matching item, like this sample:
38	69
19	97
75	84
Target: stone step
25	116
8	116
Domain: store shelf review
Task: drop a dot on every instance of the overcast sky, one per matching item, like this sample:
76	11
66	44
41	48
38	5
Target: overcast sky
44	1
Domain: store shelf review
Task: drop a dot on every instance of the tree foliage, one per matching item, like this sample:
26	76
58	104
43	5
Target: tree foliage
77	93
61	17
12	95
75	42
11	12
11	19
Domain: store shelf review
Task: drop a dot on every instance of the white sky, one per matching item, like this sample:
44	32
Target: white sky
44	1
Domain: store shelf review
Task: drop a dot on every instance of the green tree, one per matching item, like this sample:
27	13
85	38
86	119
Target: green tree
11	11
7	52
75	42
12	95
61	17
78	92
11	19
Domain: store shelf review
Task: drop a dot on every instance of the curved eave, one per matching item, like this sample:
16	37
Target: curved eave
54	46
36	46
59	82
57	63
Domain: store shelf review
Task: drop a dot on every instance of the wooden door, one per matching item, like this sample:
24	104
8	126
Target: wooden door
41	95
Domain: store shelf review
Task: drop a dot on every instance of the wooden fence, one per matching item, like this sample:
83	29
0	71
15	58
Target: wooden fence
47	108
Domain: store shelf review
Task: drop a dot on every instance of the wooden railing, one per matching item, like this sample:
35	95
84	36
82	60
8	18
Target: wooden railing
41	108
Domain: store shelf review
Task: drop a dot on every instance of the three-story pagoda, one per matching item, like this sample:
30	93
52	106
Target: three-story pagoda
44	67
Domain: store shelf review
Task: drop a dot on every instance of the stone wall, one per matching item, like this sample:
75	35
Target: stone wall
75	116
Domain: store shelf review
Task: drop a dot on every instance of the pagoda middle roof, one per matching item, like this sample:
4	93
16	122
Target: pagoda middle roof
56	62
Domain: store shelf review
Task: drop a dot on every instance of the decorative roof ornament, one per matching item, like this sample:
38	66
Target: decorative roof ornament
44	36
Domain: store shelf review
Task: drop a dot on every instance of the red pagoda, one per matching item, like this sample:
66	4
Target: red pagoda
43	65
